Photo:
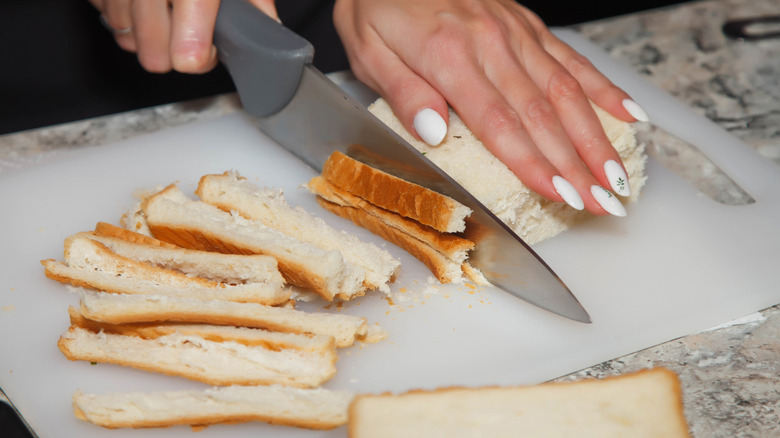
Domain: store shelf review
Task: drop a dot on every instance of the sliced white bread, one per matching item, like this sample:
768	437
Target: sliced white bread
444	254
307	408
226	268
123	309
531	216
172	217
193	357
410	200
252	337
230	192
646	404
89	263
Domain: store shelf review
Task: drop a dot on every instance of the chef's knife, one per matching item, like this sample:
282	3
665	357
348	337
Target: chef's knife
305	112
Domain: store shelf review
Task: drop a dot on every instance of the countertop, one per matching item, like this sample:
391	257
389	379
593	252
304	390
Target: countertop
729	374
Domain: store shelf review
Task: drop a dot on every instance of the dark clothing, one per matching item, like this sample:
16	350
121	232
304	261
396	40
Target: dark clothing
60	64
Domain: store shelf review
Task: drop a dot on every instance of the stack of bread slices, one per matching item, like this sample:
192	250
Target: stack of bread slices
205	293
421	221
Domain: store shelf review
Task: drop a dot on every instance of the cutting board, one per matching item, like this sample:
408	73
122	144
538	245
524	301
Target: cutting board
679	263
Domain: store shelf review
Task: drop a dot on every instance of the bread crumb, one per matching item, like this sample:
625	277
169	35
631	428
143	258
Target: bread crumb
8	308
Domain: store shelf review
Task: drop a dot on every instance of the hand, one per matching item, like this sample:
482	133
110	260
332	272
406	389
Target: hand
520	89
168	34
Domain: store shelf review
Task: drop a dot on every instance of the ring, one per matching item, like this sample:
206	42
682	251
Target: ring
122	31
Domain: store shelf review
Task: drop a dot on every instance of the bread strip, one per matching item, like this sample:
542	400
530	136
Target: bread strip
123	309
226	268
395	194
308	408
444	269
643	404
230	192
89	263
195	358
173	218
251	337
451	246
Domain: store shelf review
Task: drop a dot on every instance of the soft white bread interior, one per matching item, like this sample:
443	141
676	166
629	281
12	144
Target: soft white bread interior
410	200
232	193
271	340
307	408
172	217
531	216
194	357
642	405
226	268
90	263
124	308
443	253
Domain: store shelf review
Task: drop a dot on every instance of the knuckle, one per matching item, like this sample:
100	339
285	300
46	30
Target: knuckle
563	86
577	64
501	120
539	113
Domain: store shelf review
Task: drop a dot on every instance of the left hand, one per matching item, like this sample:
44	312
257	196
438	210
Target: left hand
169	34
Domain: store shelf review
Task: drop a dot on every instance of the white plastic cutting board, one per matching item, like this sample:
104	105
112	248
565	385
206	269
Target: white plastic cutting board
679	263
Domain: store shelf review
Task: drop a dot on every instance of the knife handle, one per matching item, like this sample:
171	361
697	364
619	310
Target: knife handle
264	58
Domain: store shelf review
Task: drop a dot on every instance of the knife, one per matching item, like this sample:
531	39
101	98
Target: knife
305	112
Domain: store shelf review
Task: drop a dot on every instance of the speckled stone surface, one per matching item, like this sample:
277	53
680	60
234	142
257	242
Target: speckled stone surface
730	374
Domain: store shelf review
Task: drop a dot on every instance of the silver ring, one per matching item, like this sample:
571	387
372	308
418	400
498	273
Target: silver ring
122	31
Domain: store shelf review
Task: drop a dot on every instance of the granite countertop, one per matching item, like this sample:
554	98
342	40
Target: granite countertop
730	373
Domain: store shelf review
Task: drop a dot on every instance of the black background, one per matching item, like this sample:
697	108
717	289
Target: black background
58	63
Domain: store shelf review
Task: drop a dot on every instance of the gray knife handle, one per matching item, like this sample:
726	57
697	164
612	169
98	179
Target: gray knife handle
264	58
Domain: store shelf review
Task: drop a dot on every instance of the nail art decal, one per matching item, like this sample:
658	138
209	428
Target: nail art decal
608	201
617	177
635	110
568	192
430	126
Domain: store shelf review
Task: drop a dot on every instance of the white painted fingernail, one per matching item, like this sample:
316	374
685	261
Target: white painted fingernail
430	126
617	178
608	201
635	110
568	192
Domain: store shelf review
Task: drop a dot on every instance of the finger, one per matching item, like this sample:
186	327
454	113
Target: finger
581	126
499	126
268	7
596	86
117	16
152	30
192	30
419	107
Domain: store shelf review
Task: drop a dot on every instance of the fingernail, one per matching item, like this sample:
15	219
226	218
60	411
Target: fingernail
608	201
635	110
568	192
617	178
430	126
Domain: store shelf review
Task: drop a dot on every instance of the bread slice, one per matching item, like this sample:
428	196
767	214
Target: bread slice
643	405
123	309
226	268
531	216
306	408
174	218
395	194
230	192
251	337
89	263
193	357
444	254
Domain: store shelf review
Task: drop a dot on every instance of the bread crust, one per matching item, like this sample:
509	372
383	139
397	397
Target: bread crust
394	194
444	269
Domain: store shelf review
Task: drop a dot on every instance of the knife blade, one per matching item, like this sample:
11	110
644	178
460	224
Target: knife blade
306	113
